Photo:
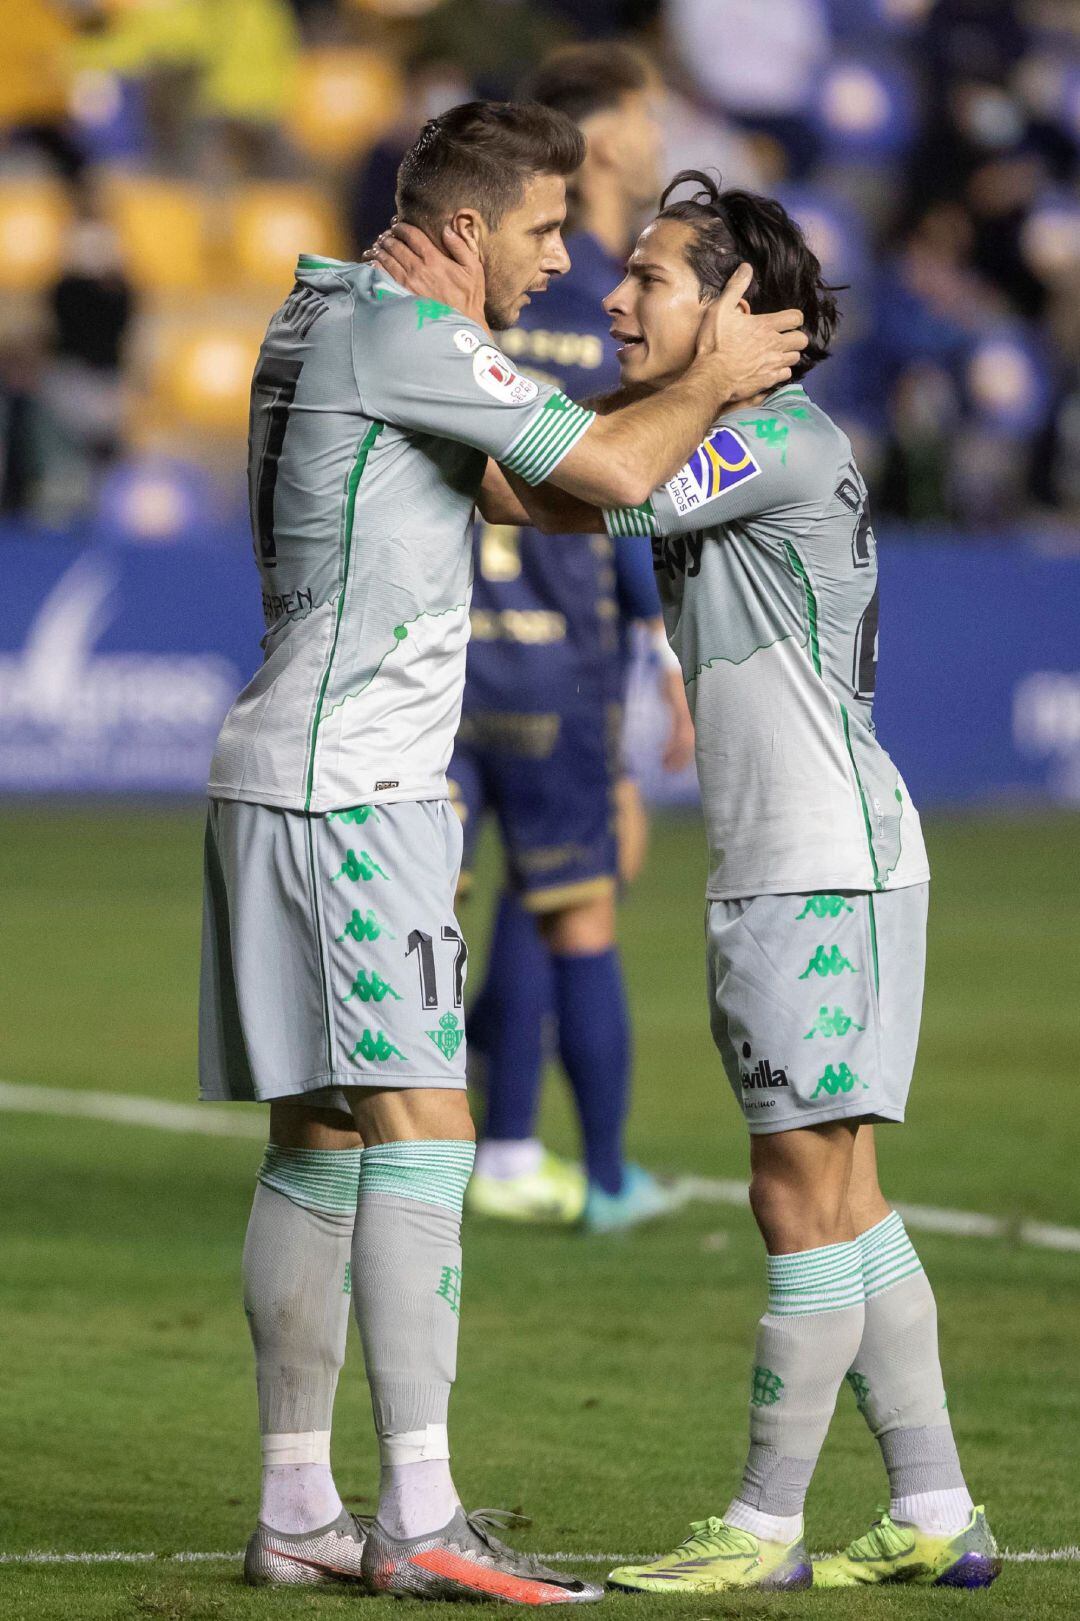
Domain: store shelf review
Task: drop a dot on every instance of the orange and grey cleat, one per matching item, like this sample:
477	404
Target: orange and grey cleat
307	1558
466	1561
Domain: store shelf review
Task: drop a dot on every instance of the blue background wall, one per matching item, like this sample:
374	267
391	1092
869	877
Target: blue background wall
117	663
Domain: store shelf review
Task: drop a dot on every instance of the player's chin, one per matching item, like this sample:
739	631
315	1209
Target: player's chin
633	361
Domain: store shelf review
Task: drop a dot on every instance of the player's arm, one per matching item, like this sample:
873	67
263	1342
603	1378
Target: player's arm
615	460
639	446
736	472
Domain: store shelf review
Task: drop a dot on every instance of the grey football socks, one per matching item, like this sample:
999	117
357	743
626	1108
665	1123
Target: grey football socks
896	1377
407	1282
296	1274
806	1341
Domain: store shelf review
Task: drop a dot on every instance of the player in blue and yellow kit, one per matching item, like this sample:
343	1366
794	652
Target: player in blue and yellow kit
539	742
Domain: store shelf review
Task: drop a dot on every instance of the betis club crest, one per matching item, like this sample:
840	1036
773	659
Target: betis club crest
449	1036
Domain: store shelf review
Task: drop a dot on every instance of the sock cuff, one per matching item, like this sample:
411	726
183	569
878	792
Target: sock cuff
429	1172
888	1255
325	1179
811	1281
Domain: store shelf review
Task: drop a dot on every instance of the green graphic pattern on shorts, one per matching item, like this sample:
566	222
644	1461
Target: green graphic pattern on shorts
449	1036
823	906
371	987
362	867
823	963
839	1079
836	1023
364	926
375	1047
430	1172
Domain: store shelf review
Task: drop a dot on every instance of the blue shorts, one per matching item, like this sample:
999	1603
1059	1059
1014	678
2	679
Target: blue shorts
549	780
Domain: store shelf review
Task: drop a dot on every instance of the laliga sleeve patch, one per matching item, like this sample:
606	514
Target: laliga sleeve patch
466	341
715	467
498	378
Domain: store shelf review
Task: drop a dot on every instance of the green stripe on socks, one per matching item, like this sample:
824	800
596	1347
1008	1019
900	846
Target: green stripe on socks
888	1255
429	1172
826	1279
314	1178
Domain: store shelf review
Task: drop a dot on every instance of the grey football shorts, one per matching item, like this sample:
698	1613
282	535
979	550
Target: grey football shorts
815	1003
331	955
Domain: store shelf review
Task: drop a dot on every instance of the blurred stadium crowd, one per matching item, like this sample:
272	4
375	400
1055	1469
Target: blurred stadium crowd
162	162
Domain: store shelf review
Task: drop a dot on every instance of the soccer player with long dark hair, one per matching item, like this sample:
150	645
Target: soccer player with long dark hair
816	905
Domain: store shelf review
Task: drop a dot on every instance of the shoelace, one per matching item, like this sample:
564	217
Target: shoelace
486	1521
714	1537
883	1540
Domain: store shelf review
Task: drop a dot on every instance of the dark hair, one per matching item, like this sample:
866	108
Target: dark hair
580	80
736	226
481	154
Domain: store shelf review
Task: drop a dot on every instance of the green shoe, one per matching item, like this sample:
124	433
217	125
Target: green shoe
715	1557
553	1194
899	1553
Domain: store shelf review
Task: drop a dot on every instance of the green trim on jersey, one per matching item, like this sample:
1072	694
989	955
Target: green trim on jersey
862	799
811	604
640	520
541	446
350	510
312	261
455	607
815	653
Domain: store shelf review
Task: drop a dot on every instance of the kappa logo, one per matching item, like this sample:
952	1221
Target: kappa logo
498	378
716	466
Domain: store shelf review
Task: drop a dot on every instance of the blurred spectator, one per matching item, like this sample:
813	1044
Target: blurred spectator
931	149
82	383
494	41
758	64
433	83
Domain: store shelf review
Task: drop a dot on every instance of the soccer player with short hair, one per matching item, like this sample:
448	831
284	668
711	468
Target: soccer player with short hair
539	746
816	915
333	967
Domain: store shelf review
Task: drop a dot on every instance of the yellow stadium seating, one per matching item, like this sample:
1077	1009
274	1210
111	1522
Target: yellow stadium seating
342	101
34	216
162	229
271	223
198	372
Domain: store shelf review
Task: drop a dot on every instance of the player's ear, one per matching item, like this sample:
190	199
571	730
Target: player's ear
469	225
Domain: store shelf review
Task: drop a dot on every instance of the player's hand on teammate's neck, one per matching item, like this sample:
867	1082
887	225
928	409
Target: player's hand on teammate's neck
452	274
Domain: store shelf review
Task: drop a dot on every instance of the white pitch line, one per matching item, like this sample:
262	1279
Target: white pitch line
210	1120
1031	1556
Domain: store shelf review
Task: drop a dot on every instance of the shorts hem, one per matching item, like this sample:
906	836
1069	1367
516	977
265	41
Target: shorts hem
343	1082
825	886
770	1128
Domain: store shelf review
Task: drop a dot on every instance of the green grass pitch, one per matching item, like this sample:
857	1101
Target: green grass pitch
602	1382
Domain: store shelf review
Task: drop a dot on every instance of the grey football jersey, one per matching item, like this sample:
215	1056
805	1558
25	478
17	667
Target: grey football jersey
372	415
767	569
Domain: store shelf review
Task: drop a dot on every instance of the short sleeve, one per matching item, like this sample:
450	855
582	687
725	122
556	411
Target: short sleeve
422	366
735	473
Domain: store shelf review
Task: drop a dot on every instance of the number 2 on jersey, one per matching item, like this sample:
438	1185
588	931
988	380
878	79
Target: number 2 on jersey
864	664
273	391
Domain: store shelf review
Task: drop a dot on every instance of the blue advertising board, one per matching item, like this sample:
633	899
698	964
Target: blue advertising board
117	664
